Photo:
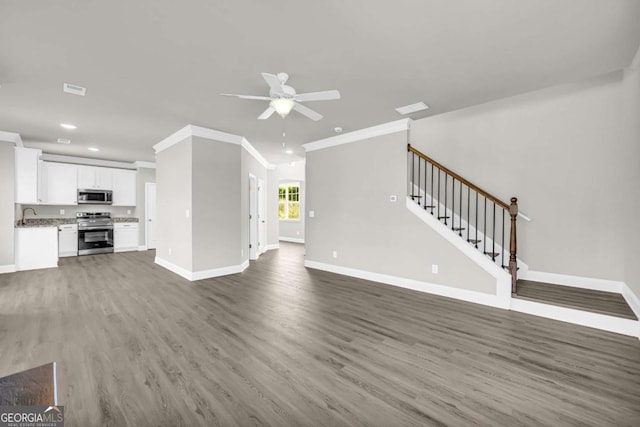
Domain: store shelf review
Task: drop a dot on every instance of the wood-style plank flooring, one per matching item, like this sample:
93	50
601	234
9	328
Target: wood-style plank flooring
281	345
582	299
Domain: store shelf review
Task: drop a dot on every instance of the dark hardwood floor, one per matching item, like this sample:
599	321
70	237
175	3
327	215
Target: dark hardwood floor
281	345
581	299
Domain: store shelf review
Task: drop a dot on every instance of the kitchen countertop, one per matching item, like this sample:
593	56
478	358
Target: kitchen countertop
54	222
124	219
45	222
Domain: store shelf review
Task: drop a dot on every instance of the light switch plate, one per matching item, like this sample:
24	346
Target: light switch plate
393	198
312	214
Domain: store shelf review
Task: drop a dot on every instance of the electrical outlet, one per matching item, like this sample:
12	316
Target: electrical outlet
297	233
393	198
61	211
434	268
170	251
187	213
128	211
312	214
335	254
242	252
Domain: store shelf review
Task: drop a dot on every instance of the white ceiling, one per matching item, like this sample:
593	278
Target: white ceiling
153	66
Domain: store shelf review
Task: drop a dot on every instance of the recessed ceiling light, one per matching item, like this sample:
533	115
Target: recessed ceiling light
64	141
289	151
413	108
337	129
93	149
68	126
74	89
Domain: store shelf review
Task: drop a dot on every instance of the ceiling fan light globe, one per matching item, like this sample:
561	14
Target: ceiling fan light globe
282	106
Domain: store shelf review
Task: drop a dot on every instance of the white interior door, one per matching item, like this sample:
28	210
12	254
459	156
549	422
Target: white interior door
150	214
253	219
262	238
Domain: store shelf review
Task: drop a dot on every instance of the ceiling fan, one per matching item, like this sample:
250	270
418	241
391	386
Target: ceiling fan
284	98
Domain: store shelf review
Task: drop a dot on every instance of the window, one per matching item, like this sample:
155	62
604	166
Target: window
289	201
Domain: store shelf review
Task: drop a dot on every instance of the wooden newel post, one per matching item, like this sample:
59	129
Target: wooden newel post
513	246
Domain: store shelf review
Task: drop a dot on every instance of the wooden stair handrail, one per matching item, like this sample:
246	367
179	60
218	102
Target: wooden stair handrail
511	208
459	178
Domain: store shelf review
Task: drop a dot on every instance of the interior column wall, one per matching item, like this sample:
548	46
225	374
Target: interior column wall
7	208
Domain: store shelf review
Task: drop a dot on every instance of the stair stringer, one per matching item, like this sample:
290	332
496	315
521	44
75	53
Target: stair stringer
503	279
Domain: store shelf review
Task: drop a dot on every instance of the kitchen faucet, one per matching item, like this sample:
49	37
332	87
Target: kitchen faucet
26	209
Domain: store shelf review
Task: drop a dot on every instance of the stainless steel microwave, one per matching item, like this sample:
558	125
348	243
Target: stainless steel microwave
95	197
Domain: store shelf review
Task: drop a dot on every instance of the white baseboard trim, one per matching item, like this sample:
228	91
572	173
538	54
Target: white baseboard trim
125	250
577	317
416	285
204	274
142	247
10	268
632	299
291	239
272	247
575	281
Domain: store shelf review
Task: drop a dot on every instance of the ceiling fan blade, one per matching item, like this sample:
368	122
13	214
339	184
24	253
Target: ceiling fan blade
261	98
326	95
273	81
306	111
266	113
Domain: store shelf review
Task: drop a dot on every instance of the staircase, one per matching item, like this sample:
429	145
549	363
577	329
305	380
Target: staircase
476	216
487	227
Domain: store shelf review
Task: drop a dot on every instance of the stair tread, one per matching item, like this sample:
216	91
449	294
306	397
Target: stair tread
415	196
492	254
474	241
459	228
443	217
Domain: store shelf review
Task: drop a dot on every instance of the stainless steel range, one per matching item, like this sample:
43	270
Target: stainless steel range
95	233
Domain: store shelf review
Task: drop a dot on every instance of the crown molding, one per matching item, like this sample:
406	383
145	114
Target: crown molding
214	135
11	137
255	153
358	135
191	130
86	161
140	164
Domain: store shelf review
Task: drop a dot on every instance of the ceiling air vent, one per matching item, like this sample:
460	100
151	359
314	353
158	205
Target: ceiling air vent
64	141
413	108
74	89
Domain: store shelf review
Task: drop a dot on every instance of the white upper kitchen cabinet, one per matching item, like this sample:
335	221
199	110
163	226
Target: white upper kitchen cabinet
26	175
58	184
95	178
124	187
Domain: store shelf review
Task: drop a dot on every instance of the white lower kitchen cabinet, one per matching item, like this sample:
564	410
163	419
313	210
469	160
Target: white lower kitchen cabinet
125	236
67	240
36	247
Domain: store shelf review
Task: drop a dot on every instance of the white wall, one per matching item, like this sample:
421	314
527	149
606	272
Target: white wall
216	201
562	152
174	241
273	226
7	165
631	171
349	188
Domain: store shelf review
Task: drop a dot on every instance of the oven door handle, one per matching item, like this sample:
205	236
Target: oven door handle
98	227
